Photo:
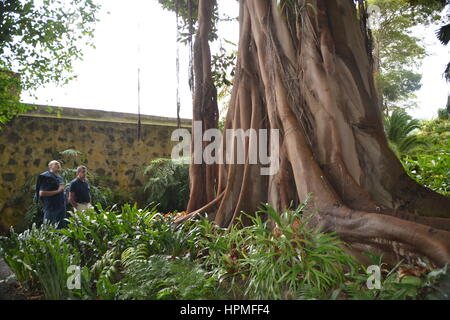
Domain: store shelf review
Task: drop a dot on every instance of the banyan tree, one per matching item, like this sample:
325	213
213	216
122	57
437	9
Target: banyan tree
304	67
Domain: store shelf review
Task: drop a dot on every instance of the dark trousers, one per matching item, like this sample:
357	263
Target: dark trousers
55	217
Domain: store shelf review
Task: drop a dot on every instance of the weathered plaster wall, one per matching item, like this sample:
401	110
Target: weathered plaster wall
108	139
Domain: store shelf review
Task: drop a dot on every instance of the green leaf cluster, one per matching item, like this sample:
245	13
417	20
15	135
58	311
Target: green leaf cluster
40	40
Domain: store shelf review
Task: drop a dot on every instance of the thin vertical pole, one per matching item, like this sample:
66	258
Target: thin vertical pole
139	84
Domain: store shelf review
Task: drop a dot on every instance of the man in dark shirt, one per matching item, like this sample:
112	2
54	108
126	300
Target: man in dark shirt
79	191
50	188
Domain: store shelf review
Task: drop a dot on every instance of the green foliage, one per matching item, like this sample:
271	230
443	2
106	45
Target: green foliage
437	132
119	246
298	263
93	234
430	165
396	51
293	262
188	12
223	69
399	127
402	282
39	257
397	85
138	254
431	171
391	287
167	184
10	105
40	40
437	285
162	277
443	34
443	114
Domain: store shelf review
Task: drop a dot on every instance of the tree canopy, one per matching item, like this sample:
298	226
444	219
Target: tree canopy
39	41
397	51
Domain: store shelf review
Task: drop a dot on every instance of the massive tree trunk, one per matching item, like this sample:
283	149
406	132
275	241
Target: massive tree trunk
309	74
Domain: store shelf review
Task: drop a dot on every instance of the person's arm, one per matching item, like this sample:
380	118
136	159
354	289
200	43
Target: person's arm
43	193
72	199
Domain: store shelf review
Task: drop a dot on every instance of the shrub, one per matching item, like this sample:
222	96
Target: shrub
167	184
40	258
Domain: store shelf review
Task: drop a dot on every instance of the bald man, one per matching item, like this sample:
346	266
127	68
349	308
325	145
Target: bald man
50	189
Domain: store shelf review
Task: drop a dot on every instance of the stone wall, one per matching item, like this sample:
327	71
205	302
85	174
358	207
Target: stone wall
108	139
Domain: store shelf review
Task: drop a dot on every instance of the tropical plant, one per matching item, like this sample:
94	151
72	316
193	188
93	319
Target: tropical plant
167	184
443	34
294	261
399	127
430	165
40	258
93	234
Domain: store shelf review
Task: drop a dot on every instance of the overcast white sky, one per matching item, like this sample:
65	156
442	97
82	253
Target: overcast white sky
107	77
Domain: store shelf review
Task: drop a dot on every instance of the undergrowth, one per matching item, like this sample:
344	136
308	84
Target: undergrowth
131	253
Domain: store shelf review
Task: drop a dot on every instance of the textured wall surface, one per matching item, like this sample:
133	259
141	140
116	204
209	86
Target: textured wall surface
108	139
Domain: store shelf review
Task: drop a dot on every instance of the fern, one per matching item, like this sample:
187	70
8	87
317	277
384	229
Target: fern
167	184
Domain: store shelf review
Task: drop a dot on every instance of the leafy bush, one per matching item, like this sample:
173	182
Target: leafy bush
431	166
432	171
92	234
292	261
40	257
167	184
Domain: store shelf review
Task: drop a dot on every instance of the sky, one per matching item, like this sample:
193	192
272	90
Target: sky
142	34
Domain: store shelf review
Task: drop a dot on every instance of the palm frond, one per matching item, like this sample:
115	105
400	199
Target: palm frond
443	34
399	128
447	72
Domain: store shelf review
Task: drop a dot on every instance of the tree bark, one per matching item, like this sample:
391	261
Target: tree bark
312	78
205	109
